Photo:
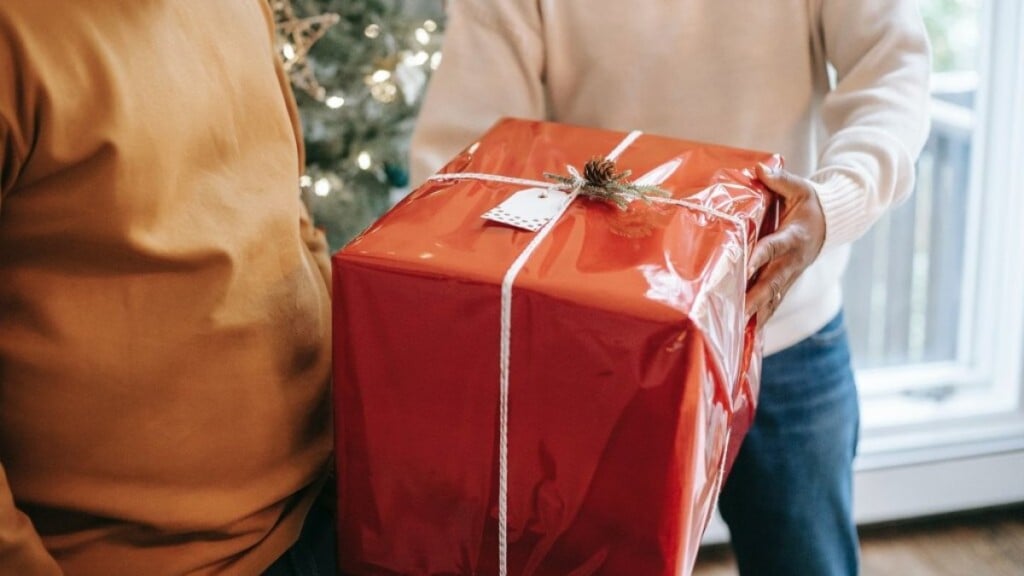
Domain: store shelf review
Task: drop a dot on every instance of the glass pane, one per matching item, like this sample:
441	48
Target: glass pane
903	285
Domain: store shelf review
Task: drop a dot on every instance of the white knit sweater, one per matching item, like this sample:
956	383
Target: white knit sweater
745	73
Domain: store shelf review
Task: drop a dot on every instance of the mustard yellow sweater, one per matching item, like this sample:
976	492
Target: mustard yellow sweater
164	316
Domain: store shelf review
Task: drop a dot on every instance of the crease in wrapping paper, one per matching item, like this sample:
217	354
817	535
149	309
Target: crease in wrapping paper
615	459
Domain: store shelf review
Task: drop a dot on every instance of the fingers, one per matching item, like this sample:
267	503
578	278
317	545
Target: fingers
764	252
760	294
778	257
765	295
772	247
782	182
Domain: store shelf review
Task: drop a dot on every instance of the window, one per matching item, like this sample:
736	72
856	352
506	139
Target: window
903	289
934	294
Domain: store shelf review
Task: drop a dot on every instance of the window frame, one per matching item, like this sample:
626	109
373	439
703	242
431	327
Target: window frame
949	436
973	407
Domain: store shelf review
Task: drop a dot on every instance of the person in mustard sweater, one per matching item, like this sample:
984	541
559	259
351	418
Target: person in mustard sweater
753	75
164	300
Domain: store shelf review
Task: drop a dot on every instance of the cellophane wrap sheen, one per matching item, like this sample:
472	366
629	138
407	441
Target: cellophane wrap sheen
633	374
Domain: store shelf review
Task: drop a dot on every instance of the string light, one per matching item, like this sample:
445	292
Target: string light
380	76
305	181
288	51
372	31
418	59
435	60
384	92
430	26
322	187
422	36
364	160
335	102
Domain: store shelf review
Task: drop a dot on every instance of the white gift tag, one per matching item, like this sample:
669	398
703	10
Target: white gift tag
528	209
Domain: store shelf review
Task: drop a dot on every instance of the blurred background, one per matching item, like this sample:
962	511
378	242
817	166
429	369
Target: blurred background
934	293
369	72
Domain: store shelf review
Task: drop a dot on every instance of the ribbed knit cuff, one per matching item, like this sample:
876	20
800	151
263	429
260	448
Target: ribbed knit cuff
842	201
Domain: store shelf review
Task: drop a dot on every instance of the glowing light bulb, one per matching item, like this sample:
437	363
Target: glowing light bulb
422	36
418	59
380	76
364	160
289	51
384	92
335	102
372	31
435	60
305	181
430	26
322	187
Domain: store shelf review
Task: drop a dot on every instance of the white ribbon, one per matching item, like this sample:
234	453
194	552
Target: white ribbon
506	309
574	172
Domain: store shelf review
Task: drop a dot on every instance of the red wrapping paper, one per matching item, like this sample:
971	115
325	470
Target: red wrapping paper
633	374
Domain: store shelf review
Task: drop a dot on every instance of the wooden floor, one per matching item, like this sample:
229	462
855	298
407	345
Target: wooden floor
982	544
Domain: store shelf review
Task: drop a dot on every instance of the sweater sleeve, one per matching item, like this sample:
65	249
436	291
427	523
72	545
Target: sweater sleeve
21	548
7	158
312	237
876	117
13	144
493	66
10	156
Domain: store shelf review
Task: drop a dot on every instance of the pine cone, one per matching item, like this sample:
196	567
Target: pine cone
599	171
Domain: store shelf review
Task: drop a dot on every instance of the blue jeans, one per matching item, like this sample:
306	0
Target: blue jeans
788	501
314	552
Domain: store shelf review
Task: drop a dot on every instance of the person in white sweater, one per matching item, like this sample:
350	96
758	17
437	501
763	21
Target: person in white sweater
838	87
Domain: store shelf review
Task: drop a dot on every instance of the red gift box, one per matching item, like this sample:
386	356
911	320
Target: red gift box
631	373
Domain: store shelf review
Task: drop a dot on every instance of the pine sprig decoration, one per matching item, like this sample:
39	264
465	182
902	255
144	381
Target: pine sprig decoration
600	181
601	171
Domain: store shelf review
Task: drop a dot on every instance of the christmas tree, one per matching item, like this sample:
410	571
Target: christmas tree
359	68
